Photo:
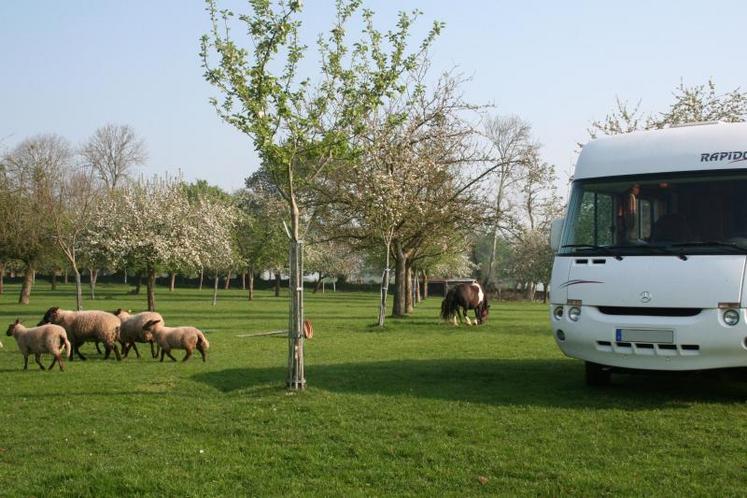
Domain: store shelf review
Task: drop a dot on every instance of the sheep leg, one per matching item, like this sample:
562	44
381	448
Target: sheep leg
37	358
134	347
58	360
153	351
26	361
186	356
163	352
168	353
109	349
98	349
125	349
201	349
77	350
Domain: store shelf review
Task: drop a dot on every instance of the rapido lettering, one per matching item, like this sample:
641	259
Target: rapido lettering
732	157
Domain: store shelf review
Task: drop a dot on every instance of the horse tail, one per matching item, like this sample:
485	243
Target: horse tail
449	305
445	308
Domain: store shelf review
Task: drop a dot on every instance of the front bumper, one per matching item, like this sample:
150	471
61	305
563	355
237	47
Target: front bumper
699	342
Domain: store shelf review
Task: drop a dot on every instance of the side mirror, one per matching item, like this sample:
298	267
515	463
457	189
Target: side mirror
556	228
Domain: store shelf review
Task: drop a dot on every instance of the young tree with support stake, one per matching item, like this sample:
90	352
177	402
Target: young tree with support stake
299	129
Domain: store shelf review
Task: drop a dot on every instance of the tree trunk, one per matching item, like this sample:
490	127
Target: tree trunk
425	285
202	277
172	282
416	285
138	284
125	276
65	279
384	287
92	282
215	290
277	284
28	281
53	280
78	290
296	376
545	293
399	306
251	284
2	278
228	281
409	307
318	283
488	282
243	281
151	289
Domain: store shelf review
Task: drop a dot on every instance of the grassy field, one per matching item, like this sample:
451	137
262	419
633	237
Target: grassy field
418	408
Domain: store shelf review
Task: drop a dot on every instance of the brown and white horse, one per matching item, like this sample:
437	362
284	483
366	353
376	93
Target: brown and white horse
462	298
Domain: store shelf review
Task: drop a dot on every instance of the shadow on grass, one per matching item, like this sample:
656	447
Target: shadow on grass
551	383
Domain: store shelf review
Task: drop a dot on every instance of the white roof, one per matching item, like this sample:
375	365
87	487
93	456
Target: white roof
707	146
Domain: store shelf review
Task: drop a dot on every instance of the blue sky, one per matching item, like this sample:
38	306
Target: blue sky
69	67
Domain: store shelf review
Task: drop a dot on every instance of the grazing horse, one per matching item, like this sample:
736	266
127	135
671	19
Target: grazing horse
462	298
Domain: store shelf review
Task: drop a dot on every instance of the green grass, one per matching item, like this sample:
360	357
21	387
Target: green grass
419	408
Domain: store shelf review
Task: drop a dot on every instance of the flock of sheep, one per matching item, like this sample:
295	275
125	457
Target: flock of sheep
62	330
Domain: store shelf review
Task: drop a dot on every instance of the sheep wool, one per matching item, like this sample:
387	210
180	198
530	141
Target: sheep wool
187	338
131	330
82	326
48	338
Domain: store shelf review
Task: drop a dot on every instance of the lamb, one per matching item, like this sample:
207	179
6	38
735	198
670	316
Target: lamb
170	338
131	330
82	326
47	338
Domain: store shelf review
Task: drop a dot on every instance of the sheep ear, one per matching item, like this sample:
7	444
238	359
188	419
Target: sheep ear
119	310
17	321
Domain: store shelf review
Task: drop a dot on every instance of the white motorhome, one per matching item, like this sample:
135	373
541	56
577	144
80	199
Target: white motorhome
649	271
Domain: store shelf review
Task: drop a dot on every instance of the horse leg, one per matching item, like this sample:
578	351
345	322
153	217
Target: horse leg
466	315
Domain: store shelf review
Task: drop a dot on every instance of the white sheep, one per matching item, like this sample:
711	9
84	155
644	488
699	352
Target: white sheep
82	326
47	338
131	330
169	338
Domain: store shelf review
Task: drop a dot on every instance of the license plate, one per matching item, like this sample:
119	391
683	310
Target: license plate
657	336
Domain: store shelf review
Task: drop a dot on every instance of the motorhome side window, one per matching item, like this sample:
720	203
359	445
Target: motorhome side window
696	214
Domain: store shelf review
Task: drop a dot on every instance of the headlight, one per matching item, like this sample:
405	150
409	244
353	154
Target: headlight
731	317
574	313
558	312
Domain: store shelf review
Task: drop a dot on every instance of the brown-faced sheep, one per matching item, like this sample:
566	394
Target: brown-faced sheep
131	330
47	338
169	338
82	326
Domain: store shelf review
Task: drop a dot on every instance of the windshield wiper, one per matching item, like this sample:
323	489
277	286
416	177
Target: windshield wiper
605	249
712	243
662	250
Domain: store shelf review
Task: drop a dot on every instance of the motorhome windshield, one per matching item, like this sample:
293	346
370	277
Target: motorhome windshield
658	215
